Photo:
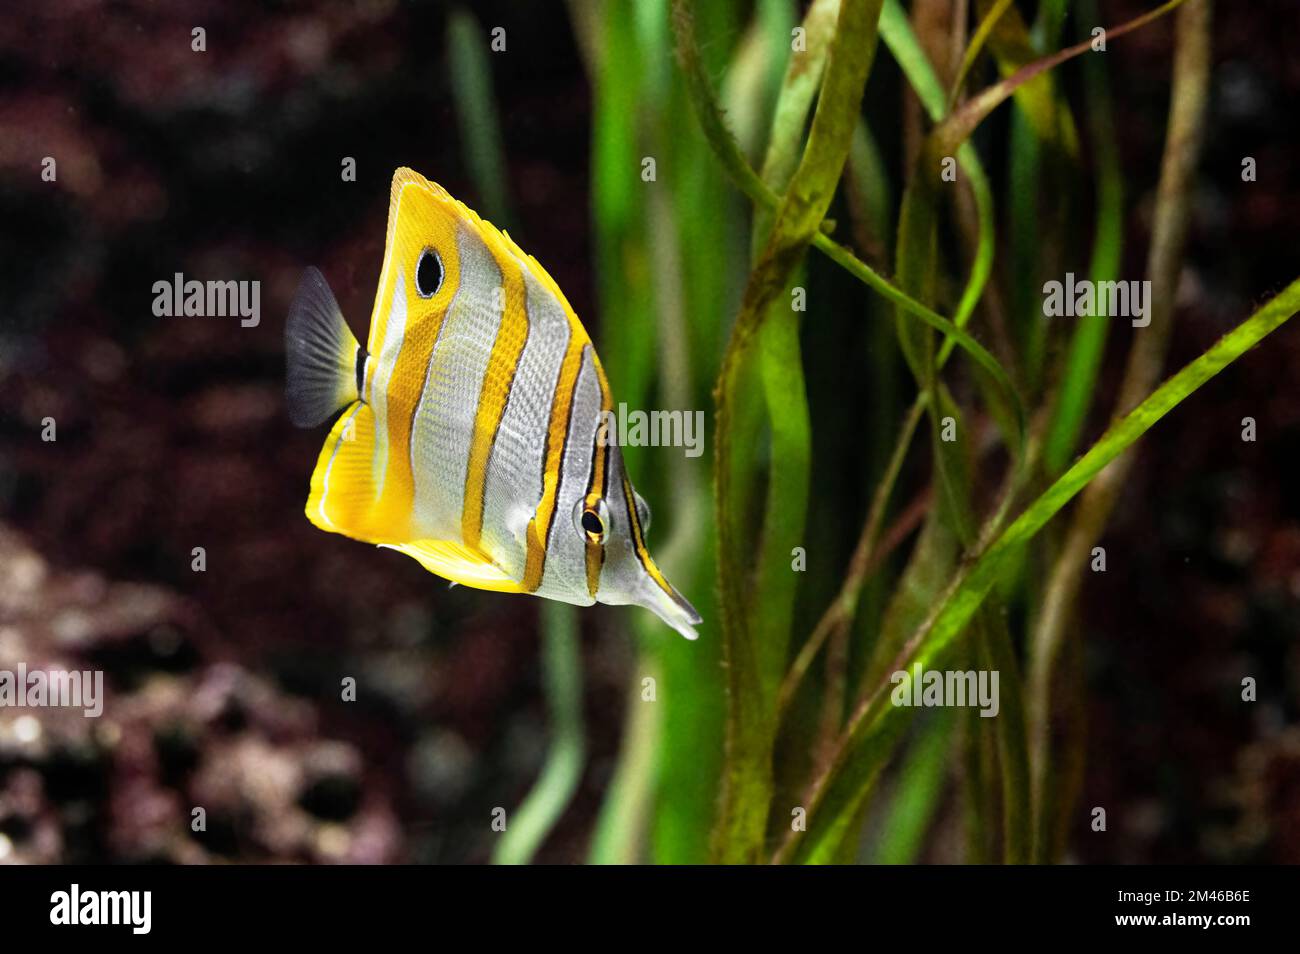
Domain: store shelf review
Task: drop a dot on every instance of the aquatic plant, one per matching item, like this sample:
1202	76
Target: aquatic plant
771	736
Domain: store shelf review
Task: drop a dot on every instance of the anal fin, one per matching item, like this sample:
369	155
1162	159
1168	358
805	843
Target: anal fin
459	563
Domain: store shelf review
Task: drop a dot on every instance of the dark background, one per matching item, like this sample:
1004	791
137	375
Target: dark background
224	685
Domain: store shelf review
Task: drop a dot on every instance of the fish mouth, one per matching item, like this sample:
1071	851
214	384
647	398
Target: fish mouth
671	607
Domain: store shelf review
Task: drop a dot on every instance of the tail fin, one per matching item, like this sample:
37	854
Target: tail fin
324	357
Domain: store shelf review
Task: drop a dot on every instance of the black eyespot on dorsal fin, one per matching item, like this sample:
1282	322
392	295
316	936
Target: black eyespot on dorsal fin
428	273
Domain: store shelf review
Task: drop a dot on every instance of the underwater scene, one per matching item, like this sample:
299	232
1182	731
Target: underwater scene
668	432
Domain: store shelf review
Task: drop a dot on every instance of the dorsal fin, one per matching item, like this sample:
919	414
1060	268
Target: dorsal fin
491	234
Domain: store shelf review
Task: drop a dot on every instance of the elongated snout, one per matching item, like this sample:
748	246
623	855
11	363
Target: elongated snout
673	608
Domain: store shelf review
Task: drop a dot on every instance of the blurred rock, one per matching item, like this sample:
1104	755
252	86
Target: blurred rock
210	736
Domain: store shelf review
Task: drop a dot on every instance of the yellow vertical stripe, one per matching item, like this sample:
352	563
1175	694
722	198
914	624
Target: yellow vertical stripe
539	526
503	363
420	216
405	386
595	553
639	542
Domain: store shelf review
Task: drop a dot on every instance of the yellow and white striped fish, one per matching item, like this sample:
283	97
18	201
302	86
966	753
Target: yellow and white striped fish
471	436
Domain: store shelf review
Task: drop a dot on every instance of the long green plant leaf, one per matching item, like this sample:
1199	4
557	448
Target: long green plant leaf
837	795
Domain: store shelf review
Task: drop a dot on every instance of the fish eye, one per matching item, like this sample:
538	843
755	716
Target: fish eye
642	513
428	273
591	519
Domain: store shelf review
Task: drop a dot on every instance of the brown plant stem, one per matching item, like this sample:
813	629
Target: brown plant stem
866	557
1146	360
